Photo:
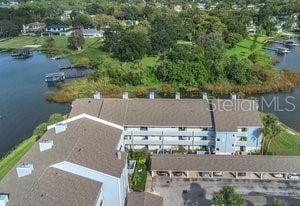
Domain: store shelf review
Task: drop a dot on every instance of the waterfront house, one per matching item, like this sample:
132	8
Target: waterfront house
57	30
33	28
93	33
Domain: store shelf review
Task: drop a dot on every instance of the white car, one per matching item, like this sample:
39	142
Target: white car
218	174
278	175
293	176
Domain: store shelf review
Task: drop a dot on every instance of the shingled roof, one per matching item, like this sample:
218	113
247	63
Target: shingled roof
228	163
86	143
144	199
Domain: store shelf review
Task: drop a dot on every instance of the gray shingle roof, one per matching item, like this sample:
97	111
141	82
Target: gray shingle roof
229	163
172	112
86	143
144	199
231	114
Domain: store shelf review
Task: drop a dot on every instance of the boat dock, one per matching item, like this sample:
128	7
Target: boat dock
68	66
280	50
22	53
61	76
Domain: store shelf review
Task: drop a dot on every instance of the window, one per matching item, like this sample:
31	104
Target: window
217	149
181	128
143	128
244	129
218	139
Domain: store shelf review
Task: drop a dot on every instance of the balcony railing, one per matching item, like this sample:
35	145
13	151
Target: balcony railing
170	133
171	142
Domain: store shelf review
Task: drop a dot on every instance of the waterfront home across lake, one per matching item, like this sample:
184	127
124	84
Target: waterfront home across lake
92	33
57	30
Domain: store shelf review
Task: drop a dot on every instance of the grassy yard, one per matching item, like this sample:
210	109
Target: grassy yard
287	143
8	162
19	42
243	49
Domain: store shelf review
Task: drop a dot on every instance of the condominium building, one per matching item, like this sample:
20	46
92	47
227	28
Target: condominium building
83	160
227	126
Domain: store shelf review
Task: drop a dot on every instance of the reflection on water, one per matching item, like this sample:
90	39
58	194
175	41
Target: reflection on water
22	101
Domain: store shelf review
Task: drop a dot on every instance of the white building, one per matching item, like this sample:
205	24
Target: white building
93	33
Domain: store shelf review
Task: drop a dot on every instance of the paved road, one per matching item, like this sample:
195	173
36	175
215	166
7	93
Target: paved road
180	192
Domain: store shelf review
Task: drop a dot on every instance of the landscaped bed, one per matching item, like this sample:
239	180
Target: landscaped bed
139	177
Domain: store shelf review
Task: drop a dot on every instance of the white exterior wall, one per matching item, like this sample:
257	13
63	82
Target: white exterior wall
113	188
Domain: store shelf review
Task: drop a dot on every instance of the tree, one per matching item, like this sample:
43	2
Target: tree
228	197
132	46
76	39
237	70
271	130
278	202
7	29
49	42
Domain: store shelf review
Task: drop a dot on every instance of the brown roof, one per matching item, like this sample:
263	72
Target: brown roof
231	114
144	199
85	142
61	188
229	163
224	115
146	112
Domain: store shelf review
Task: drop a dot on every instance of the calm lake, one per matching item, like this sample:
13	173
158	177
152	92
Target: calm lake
285	101
22	102
23	105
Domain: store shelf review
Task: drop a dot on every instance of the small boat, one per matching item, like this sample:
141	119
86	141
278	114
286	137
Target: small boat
22	53
290	42
56	57
55	77
282	50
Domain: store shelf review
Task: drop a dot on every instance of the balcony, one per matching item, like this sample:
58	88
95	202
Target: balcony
169	133
171	142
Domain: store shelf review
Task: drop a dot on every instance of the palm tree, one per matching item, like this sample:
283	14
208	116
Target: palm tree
271	130
228	197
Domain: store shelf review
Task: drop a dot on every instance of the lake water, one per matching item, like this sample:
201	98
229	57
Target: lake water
23	105
22	101
284	101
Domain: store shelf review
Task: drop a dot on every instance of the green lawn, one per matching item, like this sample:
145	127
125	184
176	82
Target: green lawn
19	42
243	49
8	162
287	143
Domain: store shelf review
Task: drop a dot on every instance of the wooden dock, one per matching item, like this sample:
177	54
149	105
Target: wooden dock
69	66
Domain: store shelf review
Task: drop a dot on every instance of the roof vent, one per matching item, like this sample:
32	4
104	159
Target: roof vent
152	95
97	95
45	145
4	198
204	96
125	95
233	96
60	127
24	170
177	95
119	155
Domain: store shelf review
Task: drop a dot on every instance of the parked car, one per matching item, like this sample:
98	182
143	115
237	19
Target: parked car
218	174
178	174
204	174
278	175
241	174
293	176
162	173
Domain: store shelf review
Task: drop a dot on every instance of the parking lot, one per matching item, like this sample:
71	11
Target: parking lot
194	192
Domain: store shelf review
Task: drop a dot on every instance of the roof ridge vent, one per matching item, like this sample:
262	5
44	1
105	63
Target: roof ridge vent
152	95
4	198
232	96
125	95
97	95
45	145
177	95
60	127
24	170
